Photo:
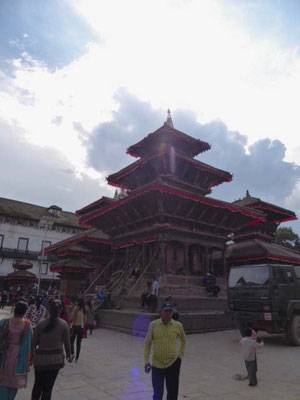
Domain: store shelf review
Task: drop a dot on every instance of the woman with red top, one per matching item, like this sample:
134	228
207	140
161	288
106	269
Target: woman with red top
64	313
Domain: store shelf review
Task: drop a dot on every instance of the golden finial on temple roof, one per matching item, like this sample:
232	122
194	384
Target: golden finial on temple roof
169	121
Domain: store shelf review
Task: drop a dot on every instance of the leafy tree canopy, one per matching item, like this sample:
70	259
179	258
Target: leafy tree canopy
288	238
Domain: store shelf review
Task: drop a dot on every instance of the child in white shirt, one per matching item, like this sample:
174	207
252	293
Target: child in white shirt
249	347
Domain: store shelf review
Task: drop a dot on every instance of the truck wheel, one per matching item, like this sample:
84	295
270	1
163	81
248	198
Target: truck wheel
293	333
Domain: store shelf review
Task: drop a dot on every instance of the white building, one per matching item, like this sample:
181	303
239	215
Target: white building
25	229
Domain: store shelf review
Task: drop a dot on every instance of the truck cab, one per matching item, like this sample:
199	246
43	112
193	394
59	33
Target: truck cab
266	297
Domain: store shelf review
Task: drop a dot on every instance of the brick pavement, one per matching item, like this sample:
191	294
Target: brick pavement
111	368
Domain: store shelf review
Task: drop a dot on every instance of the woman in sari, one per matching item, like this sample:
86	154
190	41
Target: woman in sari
14	361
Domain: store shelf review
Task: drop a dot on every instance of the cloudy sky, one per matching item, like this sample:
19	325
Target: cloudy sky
81	80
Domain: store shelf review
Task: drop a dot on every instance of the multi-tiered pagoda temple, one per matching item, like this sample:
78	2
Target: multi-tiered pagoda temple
166	220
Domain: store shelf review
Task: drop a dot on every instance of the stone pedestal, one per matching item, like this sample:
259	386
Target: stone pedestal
70	287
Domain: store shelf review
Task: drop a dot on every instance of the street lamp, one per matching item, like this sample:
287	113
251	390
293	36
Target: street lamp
46	222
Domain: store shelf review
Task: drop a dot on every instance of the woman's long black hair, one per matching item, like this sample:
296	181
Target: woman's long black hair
81	305
38	302
54	308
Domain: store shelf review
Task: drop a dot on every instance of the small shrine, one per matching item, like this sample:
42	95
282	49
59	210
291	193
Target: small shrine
73	268
79	259
21	276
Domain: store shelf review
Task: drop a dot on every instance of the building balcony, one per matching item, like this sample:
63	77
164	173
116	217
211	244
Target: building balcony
22	254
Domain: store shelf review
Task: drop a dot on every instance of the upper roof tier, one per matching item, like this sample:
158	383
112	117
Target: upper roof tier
167	163
165	137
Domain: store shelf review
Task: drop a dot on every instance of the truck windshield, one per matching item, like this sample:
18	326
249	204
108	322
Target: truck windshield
250	276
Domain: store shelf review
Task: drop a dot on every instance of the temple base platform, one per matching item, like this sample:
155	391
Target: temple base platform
135	322
198	311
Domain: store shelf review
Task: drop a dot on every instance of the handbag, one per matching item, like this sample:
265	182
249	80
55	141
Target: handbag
3	338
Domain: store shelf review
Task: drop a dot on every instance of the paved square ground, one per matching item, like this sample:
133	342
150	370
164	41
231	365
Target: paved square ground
111	368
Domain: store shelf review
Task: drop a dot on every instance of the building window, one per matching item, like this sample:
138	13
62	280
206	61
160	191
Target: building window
23	244
45	243
44	268
1	241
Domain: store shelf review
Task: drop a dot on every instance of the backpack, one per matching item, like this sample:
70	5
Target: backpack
3	337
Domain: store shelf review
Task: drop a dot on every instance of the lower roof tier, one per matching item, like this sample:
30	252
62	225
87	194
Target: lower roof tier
92	239
255	251
159	202
167	234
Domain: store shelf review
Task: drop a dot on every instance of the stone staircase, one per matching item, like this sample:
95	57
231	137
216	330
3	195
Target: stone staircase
198	311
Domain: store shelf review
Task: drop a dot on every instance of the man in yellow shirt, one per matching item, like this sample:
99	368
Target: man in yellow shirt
162	336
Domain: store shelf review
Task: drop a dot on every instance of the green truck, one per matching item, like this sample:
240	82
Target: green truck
266	297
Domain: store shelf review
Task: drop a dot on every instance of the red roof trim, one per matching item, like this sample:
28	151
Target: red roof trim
264	256
133	242
176	192
255	223
68	269
73	253
76	240
140	163
206	146
274	209
285	220
97	202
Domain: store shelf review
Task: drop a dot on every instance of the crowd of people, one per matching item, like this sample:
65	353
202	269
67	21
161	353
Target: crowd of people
48	330
42	334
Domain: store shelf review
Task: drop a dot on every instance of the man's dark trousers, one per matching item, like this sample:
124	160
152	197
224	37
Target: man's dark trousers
171	374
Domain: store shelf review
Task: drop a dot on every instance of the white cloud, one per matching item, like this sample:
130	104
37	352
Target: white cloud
189	54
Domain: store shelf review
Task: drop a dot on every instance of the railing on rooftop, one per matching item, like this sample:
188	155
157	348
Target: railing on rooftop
21	254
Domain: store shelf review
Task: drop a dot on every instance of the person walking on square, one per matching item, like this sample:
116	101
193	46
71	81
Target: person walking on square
78	321
15	354
249	347
36	312
154	294
3	300
162	336
90	316
50	337
145	297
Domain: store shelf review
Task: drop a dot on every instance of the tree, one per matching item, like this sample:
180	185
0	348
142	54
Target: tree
288	238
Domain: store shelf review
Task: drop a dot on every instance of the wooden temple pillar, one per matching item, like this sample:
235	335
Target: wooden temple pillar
144	256
224	263
163	257
205	260
127	250
114	257
211	261
186	259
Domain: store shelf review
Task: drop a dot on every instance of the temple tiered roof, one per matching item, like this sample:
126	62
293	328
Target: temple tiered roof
164	164
165	137
274	213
